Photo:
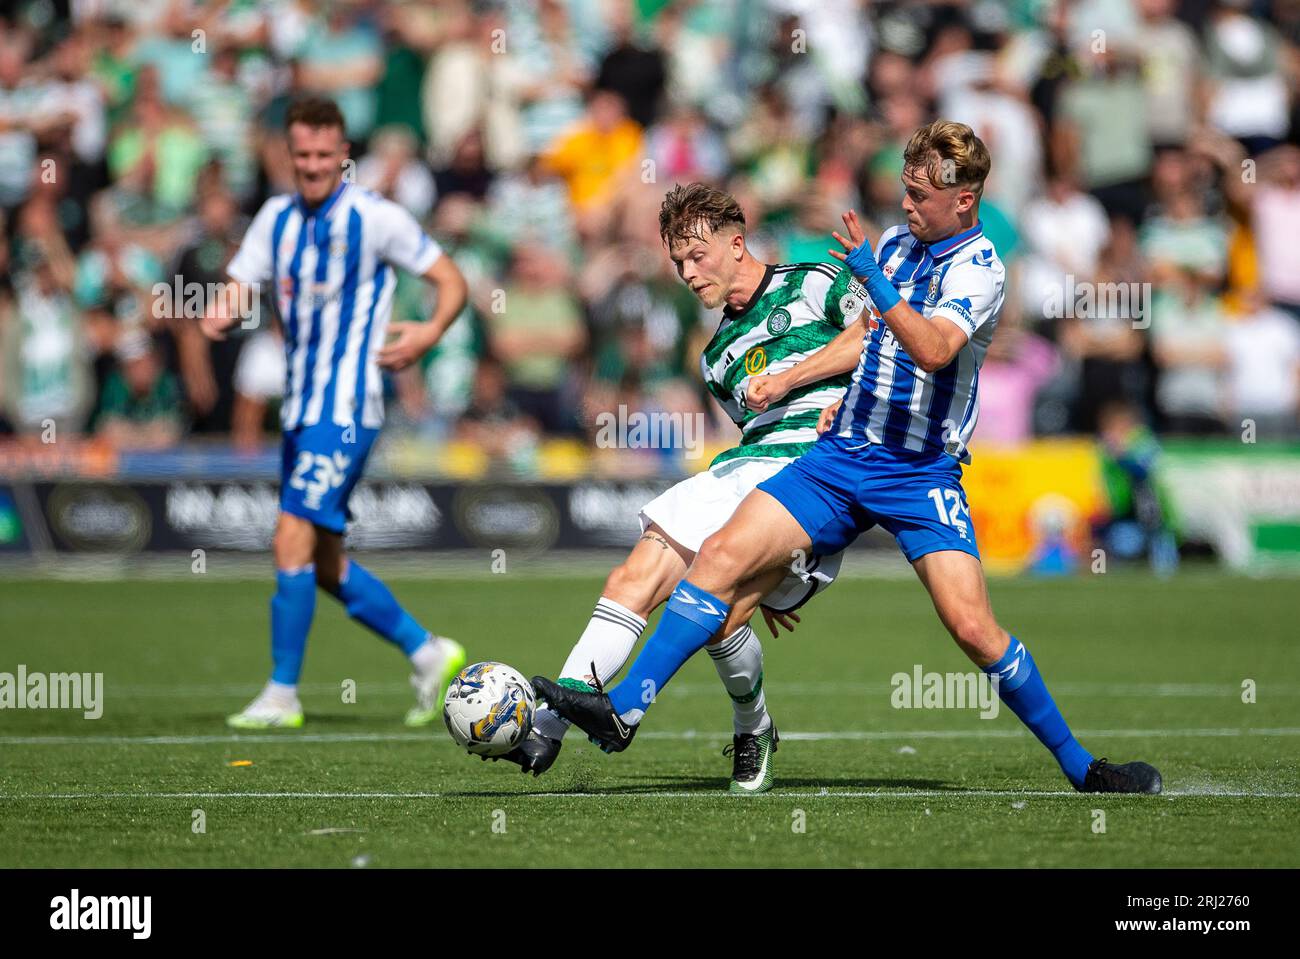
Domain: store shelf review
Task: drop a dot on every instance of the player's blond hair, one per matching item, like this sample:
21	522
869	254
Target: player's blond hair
688	210
950	154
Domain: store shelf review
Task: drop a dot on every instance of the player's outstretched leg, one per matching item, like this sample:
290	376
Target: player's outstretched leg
633	590
611	724
435	660
739	662
955	581
601	651
292	609
759	538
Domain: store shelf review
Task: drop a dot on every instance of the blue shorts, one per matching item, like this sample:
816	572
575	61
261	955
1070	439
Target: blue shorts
841	488
319	467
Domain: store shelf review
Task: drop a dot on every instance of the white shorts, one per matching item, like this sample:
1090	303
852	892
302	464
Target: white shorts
696	508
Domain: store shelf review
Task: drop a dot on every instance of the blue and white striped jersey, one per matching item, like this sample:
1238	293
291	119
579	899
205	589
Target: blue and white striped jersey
333	270
892	401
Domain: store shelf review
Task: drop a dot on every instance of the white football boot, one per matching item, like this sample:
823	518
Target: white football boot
432	678
276	707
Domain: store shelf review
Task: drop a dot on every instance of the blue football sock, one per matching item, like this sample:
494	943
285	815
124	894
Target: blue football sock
292	608
369	602
1021	686
691	617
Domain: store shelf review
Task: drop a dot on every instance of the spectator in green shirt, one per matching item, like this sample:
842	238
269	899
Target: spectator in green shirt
158	153
536	328
140	404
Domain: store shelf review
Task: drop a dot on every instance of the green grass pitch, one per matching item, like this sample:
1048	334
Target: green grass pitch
1141	668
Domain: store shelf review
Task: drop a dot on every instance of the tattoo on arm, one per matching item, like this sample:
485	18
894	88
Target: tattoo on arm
654	537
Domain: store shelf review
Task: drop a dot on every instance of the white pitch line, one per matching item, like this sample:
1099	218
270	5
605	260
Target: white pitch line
824	794
288	736
691	689
846	735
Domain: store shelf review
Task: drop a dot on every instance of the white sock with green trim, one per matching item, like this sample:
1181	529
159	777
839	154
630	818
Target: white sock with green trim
607	641
739	661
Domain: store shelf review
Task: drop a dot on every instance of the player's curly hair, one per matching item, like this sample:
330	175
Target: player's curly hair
315	112
688	210
950	154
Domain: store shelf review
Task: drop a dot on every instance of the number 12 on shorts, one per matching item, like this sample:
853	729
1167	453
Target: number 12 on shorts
949	515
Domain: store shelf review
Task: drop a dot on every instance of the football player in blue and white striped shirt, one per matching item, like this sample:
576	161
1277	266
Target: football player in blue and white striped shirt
330	252
890	454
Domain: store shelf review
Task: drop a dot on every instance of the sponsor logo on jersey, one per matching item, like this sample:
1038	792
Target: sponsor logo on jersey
778	322
322	294
755	361
960	306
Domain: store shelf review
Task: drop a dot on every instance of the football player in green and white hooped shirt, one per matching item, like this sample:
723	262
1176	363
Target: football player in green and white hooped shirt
773	317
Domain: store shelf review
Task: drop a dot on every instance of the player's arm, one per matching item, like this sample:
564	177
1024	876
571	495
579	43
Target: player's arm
248	269
838	356
226	308
404	244
932	342
413	340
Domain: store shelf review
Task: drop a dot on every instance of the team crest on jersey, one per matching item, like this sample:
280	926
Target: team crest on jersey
932	296
755	361
338	248
888	270
778	321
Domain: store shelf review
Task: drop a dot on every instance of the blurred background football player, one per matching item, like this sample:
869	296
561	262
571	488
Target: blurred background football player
330	252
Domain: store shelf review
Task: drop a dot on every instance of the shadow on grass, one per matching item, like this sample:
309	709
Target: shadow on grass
718	785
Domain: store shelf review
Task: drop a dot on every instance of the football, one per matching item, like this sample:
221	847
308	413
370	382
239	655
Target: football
489	708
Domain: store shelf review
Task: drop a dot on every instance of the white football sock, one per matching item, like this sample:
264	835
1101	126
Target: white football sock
739	661
607	641
429	655
280	694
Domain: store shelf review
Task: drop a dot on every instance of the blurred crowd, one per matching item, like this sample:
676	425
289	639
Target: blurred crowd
1145	194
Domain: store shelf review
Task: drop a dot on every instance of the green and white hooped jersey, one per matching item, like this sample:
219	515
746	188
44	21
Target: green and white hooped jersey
796	310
